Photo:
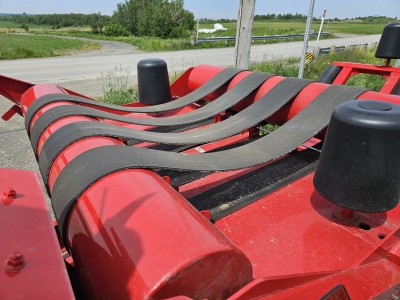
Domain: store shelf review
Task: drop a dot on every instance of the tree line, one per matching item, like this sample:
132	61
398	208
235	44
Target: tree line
283	17
59	20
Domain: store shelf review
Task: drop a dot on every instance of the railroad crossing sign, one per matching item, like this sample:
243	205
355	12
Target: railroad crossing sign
309	56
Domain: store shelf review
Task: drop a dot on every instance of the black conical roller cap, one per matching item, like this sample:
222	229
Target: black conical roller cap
153	81
389	45
359	166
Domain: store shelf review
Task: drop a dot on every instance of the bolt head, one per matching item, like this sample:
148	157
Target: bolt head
9	194
16	261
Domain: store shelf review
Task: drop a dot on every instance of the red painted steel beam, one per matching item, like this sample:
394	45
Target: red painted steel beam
12	88
30	259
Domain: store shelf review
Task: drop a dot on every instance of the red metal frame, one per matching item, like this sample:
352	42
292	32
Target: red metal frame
391	74
27	229
291	243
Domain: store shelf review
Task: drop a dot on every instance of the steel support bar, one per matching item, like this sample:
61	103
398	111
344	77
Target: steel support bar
306	36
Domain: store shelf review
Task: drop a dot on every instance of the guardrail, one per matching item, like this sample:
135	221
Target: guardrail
196	40
326	50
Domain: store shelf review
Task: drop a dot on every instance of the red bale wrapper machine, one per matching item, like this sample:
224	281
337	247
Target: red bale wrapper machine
186	195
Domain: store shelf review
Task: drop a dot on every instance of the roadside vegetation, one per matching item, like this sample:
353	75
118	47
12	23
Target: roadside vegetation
115	86
117	90
159	25
290	67
14	46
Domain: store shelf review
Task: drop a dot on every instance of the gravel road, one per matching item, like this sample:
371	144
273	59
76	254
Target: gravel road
107	48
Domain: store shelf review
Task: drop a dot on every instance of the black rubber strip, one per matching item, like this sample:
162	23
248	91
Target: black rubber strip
227	100
172	148
180	177
235	194
180	128
210	86
92	165
268	104
173	129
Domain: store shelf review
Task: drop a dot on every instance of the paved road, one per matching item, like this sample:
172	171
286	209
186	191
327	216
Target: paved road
80	72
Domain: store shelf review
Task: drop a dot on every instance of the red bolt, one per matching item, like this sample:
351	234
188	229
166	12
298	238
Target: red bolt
347	213
16	261
9	194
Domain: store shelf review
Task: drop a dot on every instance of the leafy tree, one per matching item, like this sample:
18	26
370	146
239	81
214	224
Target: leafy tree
96	24
159	18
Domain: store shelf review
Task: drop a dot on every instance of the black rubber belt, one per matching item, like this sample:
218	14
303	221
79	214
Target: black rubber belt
227	100
94	164
171	129
180	177
268	104
237	193
210	86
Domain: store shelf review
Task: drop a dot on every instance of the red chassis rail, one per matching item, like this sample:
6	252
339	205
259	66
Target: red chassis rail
291	243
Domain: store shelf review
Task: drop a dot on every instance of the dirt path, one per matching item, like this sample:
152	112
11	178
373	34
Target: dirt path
107	47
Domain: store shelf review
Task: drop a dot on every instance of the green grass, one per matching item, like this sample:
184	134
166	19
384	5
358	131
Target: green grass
13	46
259	29
115	86
356	28
150	44
290	67
276	28
13	25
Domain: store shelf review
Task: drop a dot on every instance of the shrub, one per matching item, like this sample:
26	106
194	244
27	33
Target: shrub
112	29
97	27
25	27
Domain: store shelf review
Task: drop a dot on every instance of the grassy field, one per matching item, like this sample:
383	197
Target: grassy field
157	44
259	28
272	28
151	44
16	27
13	46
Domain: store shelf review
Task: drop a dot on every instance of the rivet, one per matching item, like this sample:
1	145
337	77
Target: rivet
9	194
15	262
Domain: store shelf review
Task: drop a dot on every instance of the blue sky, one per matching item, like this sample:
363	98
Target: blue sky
216	8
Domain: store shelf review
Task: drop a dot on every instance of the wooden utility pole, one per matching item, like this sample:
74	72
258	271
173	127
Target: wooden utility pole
244	33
